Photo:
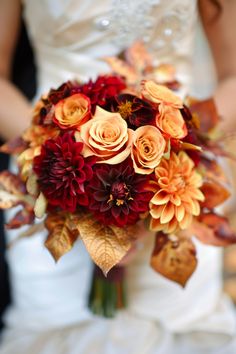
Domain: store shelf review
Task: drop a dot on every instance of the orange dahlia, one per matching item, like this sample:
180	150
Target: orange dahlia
176	201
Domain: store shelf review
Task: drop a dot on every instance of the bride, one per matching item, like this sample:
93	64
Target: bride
49	311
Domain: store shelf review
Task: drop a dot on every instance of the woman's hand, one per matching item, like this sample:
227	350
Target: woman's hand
15	110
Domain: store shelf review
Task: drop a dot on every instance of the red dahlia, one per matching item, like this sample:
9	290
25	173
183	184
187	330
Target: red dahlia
62	172
118	195
102	90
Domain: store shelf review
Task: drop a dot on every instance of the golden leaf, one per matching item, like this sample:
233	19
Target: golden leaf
174	257
61	237
107	245
40	206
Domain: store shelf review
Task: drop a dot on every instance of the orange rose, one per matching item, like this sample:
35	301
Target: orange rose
160	94
171	122
72	111
147	149
107	136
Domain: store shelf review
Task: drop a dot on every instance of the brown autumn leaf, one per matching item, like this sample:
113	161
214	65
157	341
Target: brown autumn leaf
61	237
215	194
14	146
11	183
107	245
12	190
22	217
174	258
206	111
213	229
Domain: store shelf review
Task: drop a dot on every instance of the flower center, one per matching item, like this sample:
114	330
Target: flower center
119	193
178	183
125	109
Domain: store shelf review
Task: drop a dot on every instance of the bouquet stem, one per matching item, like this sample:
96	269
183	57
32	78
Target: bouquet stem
108	294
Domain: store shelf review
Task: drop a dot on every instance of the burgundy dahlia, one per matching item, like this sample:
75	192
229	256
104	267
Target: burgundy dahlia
117	195
63	91
102	90
63	172
134	110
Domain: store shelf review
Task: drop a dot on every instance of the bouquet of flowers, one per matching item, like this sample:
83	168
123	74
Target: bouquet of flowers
101	157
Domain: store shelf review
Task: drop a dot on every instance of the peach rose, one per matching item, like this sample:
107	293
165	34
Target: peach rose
107	136
73	111
147	149
160	94
171	122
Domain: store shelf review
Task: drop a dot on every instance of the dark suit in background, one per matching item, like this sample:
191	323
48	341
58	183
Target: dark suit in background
23	76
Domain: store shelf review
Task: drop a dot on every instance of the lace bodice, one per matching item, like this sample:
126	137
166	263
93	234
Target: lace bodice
75	35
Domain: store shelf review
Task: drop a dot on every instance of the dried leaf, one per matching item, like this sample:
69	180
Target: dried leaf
107	245
40	206
11	183
121	68
22	217
61	238
206	111
213	229
12	190
14	146
215	194
174	257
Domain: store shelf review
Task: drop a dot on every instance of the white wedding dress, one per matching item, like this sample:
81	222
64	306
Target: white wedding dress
49	313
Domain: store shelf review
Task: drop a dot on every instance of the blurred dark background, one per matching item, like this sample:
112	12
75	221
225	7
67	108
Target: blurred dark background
23	76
